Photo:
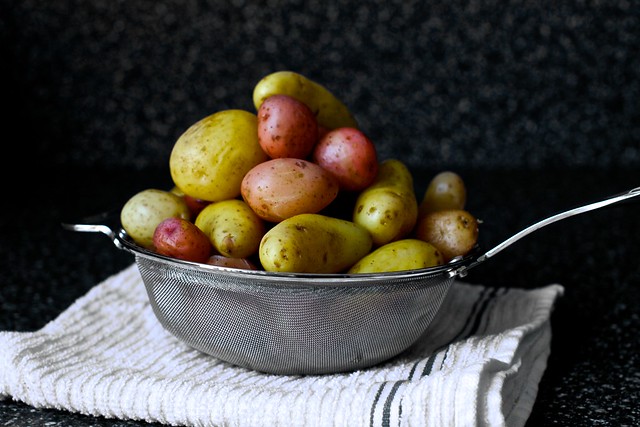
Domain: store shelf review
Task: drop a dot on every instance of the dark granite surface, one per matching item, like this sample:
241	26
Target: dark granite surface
533	102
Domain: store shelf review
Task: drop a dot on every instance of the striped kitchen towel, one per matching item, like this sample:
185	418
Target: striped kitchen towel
479	363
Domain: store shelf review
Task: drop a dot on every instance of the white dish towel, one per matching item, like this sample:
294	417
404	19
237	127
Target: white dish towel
480	363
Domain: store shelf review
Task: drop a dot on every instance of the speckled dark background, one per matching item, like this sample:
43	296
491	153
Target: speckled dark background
534	103
461	83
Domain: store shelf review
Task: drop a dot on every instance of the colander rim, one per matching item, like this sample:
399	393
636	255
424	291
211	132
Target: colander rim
314	279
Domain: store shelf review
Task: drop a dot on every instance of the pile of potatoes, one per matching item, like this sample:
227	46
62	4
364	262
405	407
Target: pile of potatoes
297	187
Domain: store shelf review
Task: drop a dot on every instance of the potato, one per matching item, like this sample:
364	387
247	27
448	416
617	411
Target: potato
328	109
313	243
286	127
232	227
223	261
209	160
453	231
281	188
388	208
405	254
350	156
446	190
195	205
142	213
181	239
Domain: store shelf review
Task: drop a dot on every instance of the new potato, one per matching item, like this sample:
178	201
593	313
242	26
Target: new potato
181	239
328	109
232	227
210	159
453	231
223	261
142	213
405	254
350	156
388	208
286	127
281	188
446	190
313	243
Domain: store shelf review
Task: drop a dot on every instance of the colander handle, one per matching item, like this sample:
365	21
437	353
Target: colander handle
105	223
635	192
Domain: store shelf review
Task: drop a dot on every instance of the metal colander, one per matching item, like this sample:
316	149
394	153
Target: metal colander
286	323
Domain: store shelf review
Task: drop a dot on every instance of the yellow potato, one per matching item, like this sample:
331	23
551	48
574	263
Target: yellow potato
313	243
453	231
446	190
142	213
329	110
232	227
388	208
209	160
405	254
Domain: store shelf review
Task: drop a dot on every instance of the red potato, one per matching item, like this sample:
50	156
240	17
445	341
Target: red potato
322	131
179	238
281	188
195	205
223	261
286	127
350	156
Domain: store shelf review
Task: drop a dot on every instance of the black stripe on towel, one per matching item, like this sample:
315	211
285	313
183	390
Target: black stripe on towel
375	403
477	313
386	410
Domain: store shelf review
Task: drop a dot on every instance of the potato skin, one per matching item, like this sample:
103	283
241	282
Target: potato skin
232	227
181	239
404	254
209	160
195	205
142	213
328	109
446	190
350	156
313	243
388	208
453	231
286	127
223	261
281	188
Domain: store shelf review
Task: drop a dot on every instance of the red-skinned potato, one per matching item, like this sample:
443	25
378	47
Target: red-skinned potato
281	188
223	261
181	239
286	127
350	156
195	205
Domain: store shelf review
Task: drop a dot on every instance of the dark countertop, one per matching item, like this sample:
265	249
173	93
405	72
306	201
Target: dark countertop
593	374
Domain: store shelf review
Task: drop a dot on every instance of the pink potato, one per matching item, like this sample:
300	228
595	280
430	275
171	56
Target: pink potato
181	239
224	261
281	188
350	156
286	127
